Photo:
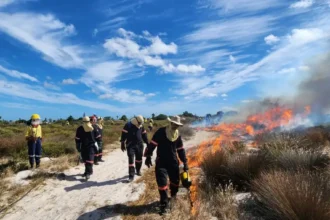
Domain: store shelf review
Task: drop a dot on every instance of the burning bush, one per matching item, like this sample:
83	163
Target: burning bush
292	196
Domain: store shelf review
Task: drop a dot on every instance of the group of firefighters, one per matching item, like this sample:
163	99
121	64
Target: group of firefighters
89	144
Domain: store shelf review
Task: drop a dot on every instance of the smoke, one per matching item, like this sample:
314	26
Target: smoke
315	90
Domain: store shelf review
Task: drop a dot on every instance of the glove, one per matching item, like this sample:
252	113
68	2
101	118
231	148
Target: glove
78	146
96	147
185	167
123	147
148	162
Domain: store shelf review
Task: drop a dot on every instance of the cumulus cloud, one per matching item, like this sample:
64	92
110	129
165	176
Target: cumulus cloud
127	47
51	86
271	39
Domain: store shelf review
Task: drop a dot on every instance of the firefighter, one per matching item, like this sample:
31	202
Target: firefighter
100	125
132	138
150	124
93	120
34	138
169	143
86	144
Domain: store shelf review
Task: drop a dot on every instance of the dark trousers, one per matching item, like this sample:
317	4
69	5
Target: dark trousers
98	154
134	151
162	172
34	151
87	154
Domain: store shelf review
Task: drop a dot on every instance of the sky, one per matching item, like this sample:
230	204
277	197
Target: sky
109	58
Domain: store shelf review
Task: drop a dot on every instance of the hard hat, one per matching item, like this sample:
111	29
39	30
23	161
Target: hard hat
35	117
86	119
140	119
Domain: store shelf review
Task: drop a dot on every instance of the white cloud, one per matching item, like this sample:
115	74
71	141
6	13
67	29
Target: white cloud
247	101
49	85
158	47
128	96
304	36
236	31
241	6
302	4
48	77
69	82
126	47
15	105
232	59
271	39
46	34
224	95
287	71
112	24
17	74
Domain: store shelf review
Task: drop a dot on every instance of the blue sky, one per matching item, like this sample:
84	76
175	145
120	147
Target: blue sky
154	56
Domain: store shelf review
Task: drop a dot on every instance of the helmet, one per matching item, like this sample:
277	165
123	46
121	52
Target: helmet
35	117
93	118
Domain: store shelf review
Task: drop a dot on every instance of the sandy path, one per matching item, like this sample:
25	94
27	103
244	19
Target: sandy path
71	198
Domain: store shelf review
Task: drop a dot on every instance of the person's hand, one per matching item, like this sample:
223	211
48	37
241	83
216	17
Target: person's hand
96	147
123	147
185	167
148	162
78	147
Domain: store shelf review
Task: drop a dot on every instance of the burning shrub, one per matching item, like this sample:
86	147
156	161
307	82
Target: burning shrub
292	196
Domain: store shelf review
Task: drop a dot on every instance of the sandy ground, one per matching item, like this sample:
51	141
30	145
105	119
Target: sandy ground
72	198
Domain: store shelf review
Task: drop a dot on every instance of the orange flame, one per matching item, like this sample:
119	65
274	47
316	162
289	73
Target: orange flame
230	132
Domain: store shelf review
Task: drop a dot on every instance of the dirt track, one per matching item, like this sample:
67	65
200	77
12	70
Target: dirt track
72	198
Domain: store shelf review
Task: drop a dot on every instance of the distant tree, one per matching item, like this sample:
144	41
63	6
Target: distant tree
70	119
161	117
208	115
153	116
45	120
187	114
117	117
124	118
0	117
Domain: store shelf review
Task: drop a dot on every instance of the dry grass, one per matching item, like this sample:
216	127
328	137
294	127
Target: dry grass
292	196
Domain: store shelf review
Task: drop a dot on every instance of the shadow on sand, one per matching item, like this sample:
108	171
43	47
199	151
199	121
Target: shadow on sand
95	184
120	209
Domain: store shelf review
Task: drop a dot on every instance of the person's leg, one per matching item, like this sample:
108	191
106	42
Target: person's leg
131	167
96	157
174	176
100	143
138	159
31	152
161	178
38	152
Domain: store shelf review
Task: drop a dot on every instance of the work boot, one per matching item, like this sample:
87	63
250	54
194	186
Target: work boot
101	160
164	208
87	177
83	175
96	163
31	165
138	173
38	165
130	179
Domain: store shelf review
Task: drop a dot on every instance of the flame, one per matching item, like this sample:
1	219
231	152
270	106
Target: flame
230	132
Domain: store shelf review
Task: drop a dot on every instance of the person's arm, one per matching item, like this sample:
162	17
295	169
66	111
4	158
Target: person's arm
153	144
124	133
40	131
78	139
28	133
182	153
144	135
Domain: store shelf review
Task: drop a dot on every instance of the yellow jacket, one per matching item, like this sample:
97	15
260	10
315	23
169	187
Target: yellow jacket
34	132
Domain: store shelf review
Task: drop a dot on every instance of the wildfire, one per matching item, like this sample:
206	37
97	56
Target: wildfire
230	133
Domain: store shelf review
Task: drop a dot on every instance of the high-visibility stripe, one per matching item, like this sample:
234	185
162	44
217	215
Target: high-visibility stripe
131	165
31	155
98	136
100	154
181	148
173	184
77	138
38	155
95	155
162	187
89	161
154	142
144	132
138	161
124	131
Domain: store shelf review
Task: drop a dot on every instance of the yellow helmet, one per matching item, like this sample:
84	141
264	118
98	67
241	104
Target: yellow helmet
35	117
